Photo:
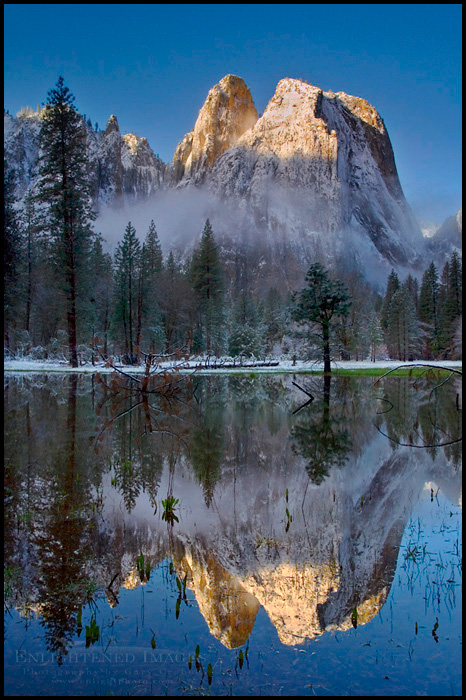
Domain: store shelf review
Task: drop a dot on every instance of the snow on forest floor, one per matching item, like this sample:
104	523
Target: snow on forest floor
215	366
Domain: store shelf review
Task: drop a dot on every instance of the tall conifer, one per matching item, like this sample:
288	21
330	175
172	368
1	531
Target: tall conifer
393	284
150	292
64	188
207	281
12	253
127	275
428	311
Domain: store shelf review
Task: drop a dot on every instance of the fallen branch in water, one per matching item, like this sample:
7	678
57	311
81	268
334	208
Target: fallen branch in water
308	393
424	447
428	367
420	364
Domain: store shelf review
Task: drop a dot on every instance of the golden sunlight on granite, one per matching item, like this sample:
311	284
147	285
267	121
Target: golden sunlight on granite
290	595
229	610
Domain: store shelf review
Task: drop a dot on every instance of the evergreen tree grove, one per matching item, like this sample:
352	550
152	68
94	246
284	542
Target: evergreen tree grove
402	326
449	305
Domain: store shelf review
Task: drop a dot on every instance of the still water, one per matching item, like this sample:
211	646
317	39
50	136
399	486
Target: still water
231	541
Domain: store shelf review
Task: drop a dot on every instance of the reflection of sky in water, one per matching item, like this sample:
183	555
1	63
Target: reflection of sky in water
315	608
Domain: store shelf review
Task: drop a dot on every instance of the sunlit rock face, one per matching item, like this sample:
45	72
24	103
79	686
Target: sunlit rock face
227	113
314	162
227	606
314	178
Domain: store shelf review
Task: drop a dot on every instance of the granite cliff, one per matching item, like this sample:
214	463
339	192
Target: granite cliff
313	177
314	167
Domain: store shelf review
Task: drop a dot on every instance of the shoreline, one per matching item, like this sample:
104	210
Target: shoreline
352	367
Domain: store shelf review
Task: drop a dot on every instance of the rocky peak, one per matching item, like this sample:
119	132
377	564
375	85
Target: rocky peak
447	238
226	115
321	163
112	126
293	124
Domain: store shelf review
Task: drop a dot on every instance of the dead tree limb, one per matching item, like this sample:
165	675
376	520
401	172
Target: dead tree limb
308	393
423	447
420	364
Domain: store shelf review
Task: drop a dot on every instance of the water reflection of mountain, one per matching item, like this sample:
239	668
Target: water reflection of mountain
256	527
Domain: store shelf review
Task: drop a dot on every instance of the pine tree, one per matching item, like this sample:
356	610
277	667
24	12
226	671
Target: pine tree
412	287
64	188
246	333
12	254
274	318
393	284
32	228
402	326
127	275
152	332
207	281
375	335
353	329
100	293
176	305
321	303
428	311
450	305
153	258
455	285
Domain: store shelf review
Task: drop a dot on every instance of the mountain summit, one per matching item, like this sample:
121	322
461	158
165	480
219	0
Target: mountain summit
227	114
314	163
314	177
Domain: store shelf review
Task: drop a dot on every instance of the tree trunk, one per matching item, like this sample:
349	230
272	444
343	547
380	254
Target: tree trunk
71	313
71	318
29	285
130	320
139	319
326	346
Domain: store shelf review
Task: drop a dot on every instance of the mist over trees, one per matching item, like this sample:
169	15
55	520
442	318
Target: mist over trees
64	294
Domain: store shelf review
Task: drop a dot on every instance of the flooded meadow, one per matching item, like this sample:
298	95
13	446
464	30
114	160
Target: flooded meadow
234	538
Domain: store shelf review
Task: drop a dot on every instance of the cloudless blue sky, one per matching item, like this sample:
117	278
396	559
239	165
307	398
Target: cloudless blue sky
153	65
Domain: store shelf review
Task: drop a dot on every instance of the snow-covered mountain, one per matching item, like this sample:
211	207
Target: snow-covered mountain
315	163
314	177
448	237
119	165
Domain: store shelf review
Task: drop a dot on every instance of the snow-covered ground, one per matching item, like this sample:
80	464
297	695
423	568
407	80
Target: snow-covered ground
25	365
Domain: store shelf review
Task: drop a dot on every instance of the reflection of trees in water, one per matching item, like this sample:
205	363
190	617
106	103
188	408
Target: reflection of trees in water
53	495
321	435
142	430
206	445
227	408
53	471
422	412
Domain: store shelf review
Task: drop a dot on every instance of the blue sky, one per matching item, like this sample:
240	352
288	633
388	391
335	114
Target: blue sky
153	65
